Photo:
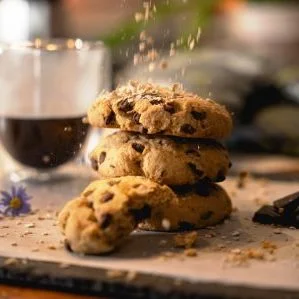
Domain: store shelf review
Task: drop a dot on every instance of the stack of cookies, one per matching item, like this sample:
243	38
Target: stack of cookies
158	172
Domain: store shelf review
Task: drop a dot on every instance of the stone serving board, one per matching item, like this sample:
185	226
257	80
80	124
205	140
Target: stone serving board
32	250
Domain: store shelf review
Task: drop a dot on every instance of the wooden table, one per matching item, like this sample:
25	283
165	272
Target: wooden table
11	292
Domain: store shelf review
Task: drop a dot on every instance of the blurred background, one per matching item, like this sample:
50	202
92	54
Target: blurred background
246	57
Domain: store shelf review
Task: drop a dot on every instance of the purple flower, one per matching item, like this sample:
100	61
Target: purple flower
16	202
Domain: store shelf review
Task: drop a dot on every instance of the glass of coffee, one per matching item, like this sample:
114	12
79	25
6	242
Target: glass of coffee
46	87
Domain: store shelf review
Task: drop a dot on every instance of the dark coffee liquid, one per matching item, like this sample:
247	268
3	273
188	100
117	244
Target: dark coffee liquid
42	143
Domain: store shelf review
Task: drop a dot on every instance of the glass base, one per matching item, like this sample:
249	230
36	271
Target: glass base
32	176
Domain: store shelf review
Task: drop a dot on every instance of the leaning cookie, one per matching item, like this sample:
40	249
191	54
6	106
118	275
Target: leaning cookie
108	211
197	207
166	160
152	109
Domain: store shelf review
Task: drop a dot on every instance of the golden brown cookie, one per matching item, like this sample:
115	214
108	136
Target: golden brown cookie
152	109
108	211
197	207
166	160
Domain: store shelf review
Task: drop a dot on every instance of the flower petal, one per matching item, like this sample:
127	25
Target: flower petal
5	201
5	194
13	191
22	194
25	209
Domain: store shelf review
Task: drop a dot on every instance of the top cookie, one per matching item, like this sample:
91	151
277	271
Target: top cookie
151	109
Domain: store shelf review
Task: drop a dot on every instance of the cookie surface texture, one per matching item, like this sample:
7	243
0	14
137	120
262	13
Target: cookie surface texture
152	109
197	207
166	160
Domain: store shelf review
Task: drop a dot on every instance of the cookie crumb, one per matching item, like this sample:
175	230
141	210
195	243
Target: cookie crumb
277	231
10	261
242	179
131	275
190	252
64	265
114	273
269	246
162	243
236	233
52	247
166	224
186	240
29	225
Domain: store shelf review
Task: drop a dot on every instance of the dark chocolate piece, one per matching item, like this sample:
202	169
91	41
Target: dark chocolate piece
198	115
188	129
267	215
107	196
207	215
156	102
136	117
288	204
138	147
110	118
220	176
125	105
169	107
141	214
184	225
194	169
102	157
94	164
105	220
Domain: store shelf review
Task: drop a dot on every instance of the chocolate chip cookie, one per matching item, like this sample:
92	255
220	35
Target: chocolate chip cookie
166	160
151	109
108	211
198	206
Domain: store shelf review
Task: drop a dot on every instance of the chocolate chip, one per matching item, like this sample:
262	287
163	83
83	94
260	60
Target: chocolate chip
144	130
156	102
102	157
220	176
188	129
203	188
90	204
199	115
169	107
138	147
125	105
193	152
94	164
182	189
136	117
184	225
207	215
112	183
141	214
107	196
110	118
230	164
194	169
67	246
105	220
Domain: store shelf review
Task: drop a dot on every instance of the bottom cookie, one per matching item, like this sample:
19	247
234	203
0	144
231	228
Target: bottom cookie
107	211
197	207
